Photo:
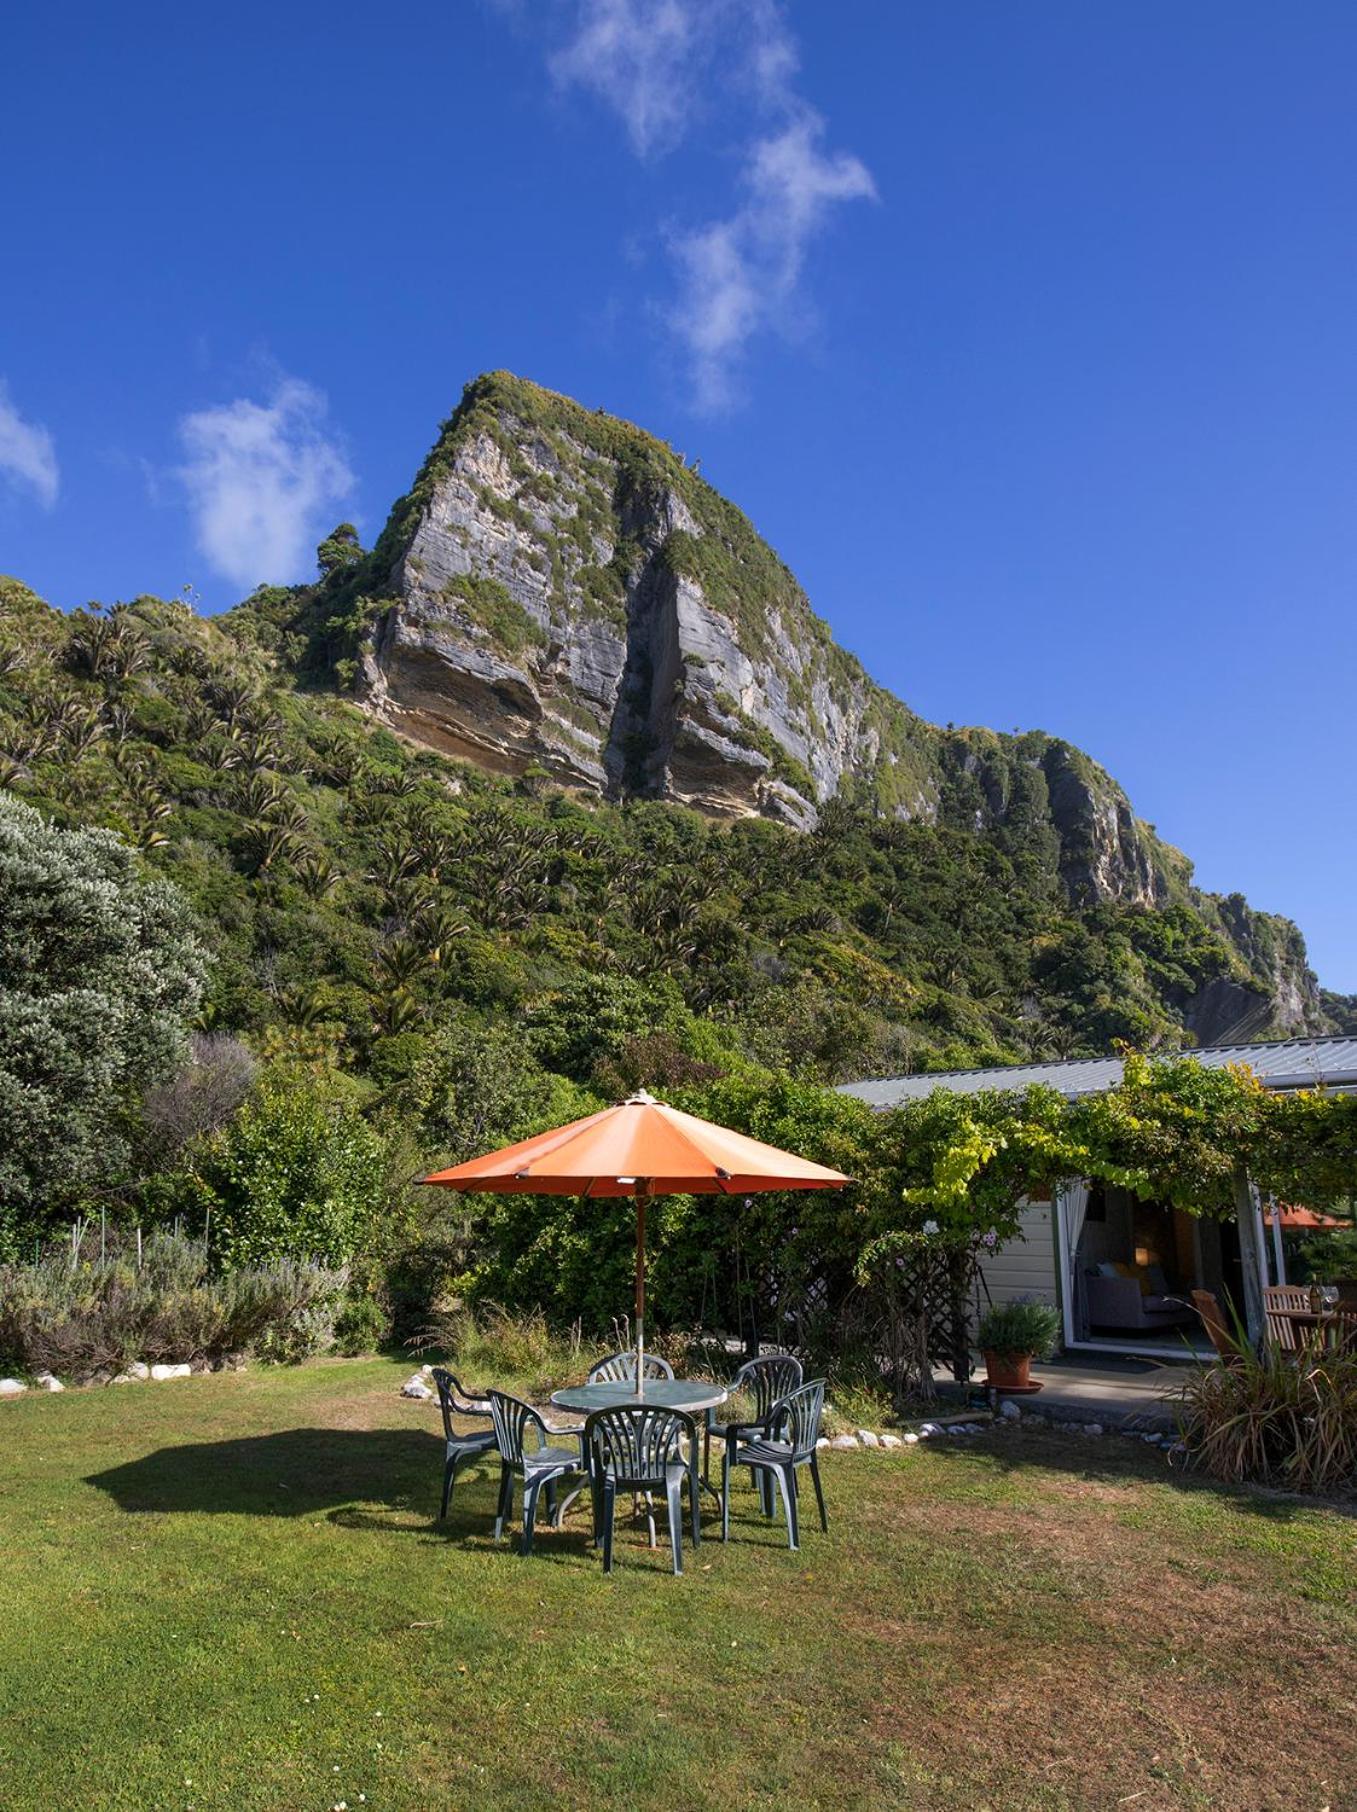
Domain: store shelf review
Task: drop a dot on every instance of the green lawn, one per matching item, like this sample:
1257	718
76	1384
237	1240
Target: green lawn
230	1592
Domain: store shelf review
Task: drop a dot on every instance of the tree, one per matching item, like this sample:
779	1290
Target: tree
100	972
340	550
298	1173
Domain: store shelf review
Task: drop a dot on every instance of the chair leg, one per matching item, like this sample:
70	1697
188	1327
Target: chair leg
506	1499
449	1474
596	1504
674	1493
609	1511
695	1507
781	1476
725	1495
530	1492
819	1492
551	1499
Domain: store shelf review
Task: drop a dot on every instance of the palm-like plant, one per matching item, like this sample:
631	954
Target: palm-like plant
400	960
315	874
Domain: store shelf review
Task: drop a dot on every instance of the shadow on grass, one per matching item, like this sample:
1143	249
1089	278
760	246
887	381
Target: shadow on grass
379	1481
295	1472
1106	1459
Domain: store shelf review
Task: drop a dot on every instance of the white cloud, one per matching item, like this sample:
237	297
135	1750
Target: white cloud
658	64
28	454
639	56
741	275
260	477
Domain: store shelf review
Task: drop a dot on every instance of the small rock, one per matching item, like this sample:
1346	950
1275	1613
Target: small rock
425	1370
823	1441
46	1381
891	1440
868	1439
844	1441
910	1439
124	1378
139	1369
1031	1420
12	1387
1009	1410
1093	1428
416	1387
926	1429
161	1372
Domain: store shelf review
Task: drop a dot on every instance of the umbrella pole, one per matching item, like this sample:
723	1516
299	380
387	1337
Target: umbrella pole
642	1191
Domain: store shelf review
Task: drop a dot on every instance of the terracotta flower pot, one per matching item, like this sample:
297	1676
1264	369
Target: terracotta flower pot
1009	1371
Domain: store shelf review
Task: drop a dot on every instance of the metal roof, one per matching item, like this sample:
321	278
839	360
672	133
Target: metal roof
1286	1063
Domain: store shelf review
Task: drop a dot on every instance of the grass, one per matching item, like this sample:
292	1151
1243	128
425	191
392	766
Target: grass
230	1592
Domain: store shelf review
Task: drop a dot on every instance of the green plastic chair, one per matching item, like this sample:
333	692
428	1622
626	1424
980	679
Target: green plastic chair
455	1400
526	1452
620	1368
640	1449
768	1380
786	1442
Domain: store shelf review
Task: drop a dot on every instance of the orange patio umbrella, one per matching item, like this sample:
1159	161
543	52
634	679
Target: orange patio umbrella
639	1148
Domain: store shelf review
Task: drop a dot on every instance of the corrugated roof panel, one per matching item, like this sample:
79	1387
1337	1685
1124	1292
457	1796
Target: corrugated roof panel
1284	1063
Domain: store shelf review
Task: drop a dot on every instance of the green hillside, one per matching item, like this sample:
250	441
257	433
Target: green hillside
359	893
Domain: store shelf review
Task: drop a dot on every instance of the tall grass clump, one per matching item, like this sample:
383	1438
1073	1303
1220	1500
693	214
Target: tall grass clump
84	1318
1273	1418
493	1348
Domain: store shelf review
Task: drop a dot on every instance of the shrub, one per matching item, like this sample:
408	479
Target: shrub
360	1327
1274	1418
1023	1328
81	1318
297	1174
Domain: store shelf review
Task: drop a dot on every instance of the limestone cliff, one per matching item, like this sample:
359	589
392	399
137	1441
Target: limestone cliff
561	593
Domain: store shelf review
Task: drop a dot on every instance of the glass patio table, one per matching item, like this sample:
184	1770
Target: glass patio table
693	1395
690	1394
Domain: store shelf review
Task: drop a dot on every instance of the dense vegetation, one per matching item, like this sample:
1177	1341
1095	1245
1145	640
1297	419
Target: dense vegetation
410	961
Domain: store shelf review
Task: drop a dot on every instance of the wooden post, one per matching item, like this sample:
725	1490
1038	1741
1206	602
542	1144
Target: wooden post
642	1191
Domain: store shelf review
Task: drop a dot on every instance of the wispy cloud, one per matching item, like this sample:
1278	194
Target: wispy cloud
657	63
640	56
260	477
28	454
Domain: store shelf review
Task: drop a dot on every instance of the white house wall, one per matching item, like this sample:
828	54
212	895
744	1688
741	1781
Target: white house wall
1026	1266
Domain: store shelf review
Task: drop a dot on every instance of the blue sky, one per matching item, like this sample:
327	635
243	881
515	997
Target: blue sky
1027	334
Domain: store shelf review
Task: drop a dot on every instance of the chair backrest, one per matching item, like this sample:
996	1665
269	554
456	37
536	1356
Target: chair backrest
768	1381
796	1419
1213	1320
634	1442
620	1368
1276	1299
518	1427
455	1400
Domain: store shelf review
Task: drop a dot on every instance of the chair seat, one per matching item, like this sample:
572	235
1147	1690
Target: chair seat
548	1459
676	1469
764	1453
478	1437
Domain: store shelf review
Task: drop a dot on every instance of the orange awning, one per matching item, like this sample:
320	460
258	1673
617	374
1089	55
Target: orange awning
1296	1220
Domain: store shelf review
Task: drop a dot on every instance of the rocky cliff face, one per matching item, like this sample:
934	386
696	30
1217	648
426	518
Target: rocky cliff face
565	593
561	593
